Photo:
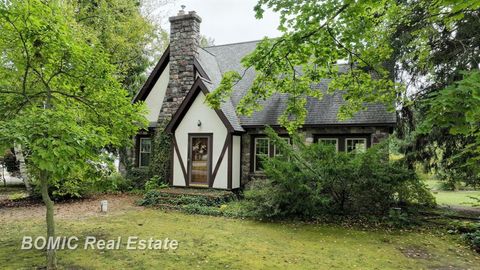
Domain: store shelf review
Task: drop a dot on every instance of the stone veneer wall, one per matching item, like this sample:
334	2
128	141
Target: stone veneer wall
184	44
377	135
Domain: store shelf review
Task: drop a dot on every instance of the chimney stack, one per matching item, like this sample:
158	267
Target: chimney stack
184	44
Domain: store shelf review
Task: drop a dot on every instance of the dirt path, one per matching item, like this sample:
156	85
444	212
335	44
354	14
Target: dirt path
81	209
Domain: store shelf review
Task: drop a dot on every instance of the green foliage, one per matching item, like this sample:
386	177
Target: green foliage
456	108
154	183
154	197
310	180
60	98
396	51
225	89
151	198
112	183
161	156
193	204
105	182
397	218
473	239
318	34
138	177
129	39
437	118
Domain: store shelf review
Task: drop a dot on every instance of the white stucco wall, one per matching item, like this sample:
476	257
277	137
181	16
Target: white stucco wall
154	99
211	123
236	166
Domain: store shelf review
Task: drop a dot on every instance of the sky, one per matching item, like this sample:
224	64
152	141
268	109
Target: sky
227	21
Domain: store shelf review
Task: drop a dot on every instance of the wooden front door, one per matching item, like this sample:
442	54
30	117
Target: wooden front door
200	158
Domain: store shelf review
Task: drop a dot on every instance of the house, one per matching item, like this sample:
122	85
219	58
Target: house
218	148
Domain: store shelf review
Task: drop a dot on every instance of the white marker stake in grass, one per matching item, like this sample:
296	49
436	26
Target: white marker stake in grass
103	206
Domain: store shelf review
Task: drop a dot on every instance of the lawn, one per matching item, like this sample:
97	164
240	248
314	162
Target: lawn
215	242
457	198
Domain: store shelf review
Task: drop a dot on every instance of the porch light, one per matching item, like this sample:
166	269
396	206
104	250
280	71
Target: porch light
199	123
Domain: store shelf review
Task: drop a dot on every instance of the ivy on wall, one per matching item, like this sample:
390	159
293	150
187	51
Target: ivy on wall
160	159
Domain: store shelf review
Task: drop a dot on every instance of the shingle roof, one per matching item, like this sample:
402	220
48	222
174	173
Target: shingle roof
227	108
217	60
210	65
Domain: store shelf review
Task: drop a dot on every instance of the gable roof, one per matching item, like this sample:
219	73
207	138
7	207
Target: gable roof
212	62
226	113
153	77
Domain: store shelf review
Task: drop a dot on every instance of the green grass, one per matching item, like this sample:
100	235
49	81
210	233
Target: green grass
449	198
214	242
456	198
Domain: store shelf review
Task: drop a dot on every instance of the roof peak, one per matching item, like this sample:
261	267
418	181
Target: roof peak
235	43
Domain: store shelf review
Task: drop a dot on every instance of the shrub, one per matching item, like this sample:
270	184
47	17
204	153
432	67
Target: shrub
309	180
138	177
397	218
113	182
473	239
155	182
151	198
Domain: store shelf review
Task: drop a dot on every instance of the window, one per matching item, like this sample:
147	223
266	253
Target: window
329	141
262	150
356	144
145	151
265	148
277	152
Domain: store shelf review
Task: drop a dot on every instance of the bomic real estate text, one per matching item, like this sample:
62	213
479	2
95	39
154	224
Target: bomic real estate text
91	242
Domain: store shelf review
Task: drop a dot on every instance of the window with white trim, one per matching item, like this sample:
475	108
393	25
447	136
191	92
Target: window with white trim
329	141
262	150
145	152
265	148
356	144
277	152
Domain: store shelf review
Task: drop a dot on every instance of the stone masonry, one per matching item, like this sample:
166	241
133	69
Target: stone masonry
184	44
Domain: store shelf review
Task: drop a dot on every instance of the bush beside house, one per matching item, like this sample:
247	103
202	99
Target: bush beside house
311	180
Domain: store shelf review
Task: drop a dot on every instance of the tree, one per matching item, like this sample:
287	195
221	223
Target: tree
131	34
437	126
130	39
206	41
59	97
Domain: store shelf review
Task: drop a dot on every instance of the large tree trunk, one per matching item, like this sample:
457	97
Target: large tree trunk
51	253
22	166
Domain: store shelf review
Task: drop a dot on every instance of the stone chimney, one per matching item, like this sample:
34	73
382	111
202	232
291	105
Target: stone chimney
184	44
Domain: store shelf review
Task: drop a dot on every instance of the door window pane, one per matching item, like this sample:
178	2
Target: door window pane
199	157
